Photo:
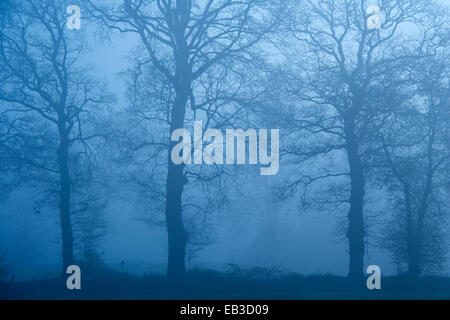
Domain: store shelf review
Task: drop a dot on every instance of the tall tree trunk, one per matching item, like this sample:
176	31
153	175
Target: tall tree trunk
415	261
409	225
355	232
176	233
64	198
416	266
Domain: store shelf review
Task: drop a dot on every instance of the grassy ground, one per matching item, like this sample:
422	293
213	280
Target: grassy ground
215	285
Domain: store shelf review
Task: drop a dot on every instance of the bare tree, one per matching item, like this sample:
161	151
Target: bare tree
341	65
184	40
414	139
49	101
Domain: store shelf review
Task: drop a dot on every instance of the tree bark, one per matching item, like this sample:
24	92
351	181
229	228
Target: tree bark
416	265
64	198
355	232
176	233
409	226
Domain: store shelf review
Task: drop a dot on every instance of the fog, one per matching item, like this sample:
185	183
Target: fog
278	223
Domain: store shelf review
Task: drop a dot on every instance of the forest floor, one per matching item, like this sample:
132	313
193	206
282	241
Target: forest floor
212	285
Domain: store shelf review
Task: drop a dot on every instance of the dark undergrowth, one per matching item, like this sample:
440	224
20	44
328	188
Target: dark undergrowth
237	284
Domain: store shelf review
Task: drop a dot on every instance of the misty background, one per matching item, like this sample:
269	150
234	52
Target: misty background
252	229
143	247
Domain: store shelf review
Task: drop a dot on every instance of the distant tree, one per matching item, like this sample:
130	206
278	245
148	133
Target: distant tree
416	150
4	268
50	105
89	222
11	170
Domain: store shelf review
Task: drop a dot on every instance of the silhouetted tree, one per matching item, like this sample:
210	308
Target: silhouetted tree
185	41
415	143
49	102
339	68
